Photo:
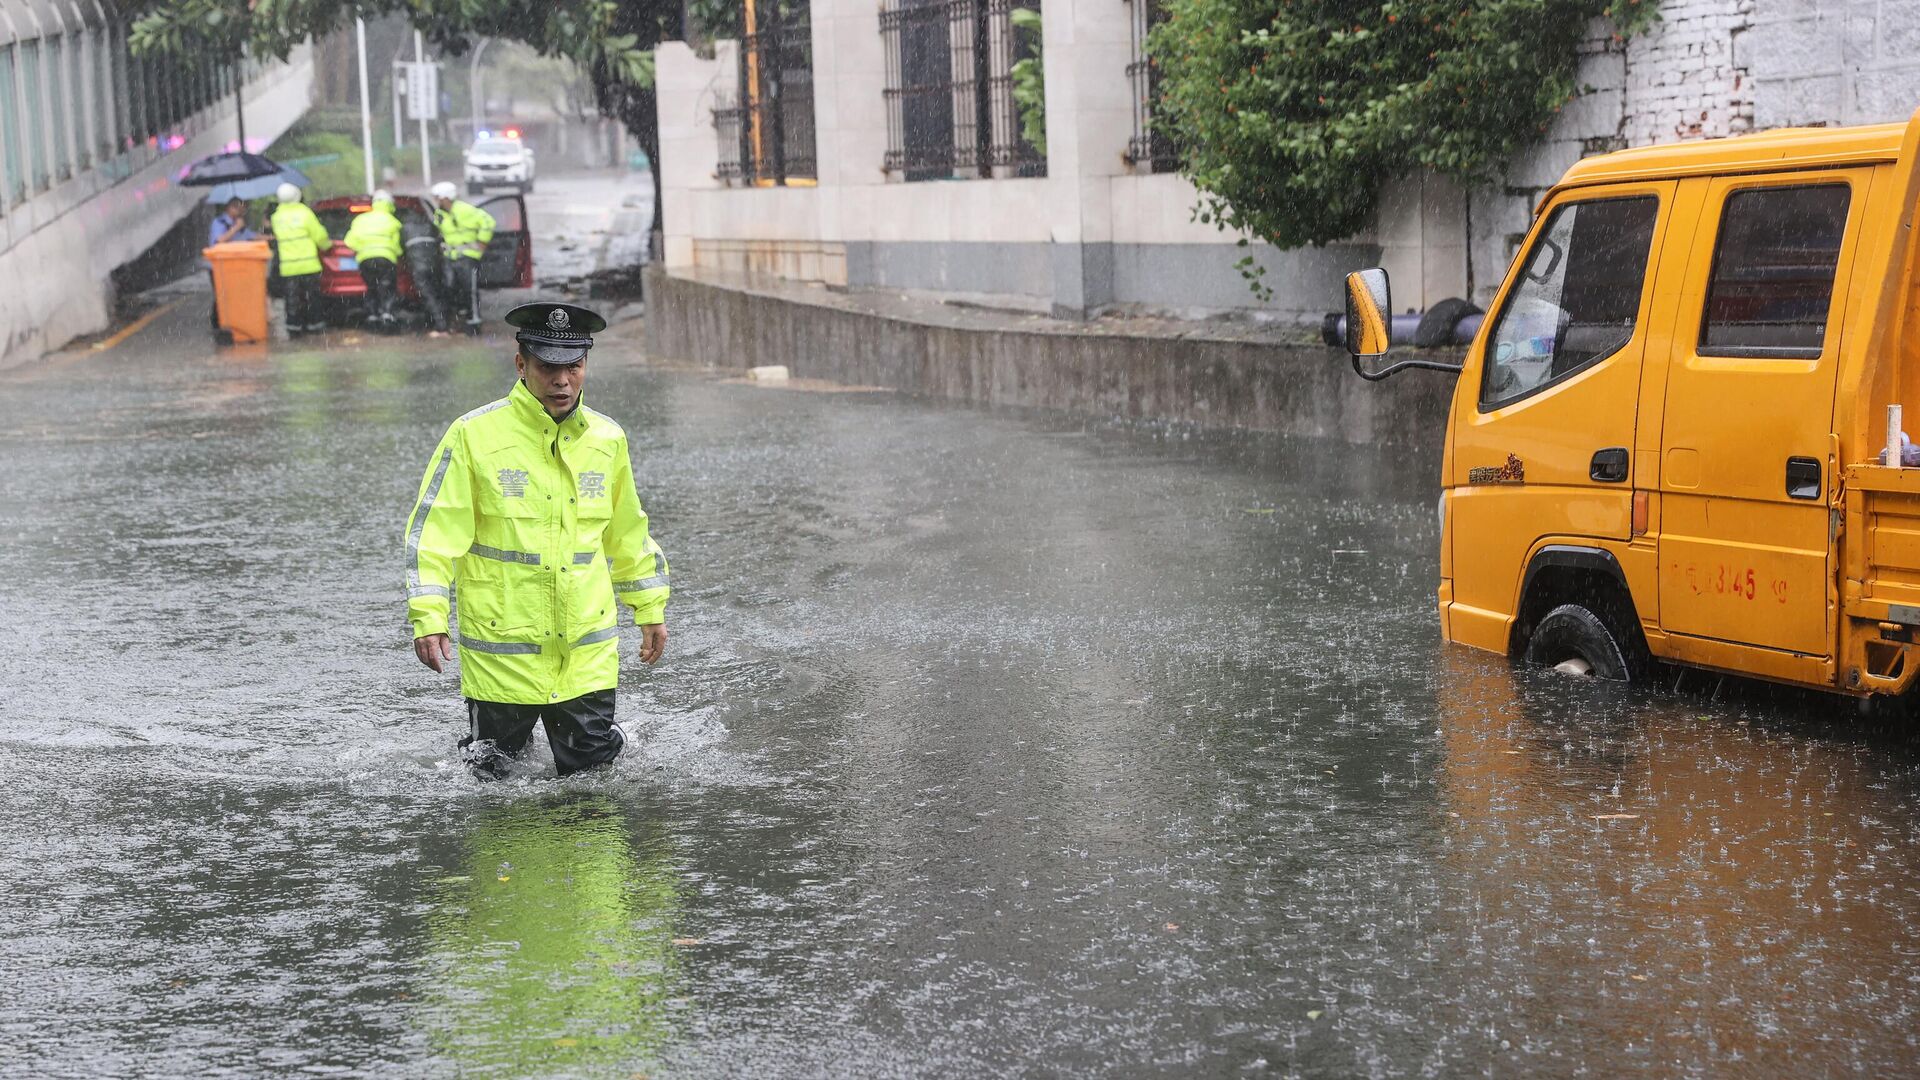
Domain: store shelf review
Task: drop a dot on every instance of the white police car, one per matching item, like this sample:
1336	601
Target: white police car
499	160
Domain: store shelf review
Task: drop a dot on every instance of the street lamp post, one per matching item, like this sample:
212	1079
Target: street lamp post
424	110
476	102
366	107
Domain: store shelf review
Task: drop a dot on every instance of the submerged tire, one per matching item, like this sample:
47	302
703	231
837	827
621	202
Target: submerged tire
1571	635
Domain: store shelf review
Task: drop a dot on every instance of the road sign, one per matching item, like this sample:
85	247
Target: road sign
423	90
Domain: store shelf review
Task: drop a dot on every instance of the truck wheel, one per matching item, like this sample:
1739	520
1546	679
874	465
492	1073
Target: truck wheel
1573	639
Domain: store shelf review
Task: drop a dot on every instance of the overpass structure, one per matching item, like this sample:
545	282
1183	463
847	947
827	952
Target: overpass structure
92	138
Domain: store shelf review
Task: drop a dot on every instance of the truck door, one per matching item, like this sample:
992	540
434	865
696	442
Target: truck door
1746	443
1543	423
508	262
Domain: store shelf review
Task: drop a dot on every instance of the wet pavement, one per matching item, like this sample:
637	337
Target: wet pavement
987	744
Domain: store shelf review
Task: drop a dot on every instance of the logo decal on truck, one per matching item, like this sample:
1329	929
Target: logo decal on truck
1513	472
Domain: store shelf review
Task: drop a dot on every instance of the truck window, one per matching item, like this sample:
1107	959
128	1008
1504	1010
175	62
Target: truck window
1577	298
1773	267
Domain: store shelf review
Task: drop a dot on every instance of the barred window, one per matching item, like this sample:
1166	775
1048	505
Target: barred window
766	132
952	106
728	116
1149	146
10	130
59	82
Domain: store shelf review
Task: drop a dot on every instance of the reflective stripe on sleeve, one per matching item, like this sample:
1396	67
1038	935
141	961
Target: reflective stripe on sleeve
420	512
429	590
497	555
598	636
654	582
582	558
502	648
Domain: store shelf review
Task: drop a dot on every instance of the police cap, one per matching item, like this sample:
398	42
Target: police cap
555	333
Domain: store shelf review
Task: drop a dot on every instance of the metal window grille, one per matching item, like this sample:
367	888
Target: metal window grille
727	117
58	85
949	89
1149	146
15	168
766	131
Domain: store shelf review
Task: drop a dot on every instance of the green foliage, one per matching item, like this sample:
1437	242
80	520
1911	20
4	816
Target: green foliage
343	176
1289	115
1030	80
715	18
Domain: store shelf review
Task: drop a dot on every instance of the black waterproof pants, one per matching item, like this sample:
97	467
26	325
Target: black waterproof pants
423	262
302	290
380	276
580	731
463	290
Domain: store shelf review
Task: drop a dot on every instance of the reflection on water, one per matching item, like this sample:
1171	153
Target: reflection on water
988	744
1675	880
552	948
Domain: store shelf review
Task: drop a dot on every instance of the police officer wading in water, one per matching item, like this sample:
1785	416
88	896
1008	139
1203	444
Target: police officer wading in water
528	513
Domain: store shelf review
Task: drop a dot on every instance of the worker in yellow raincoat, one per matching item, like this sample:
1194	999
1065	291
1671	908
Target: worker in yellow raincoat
529	515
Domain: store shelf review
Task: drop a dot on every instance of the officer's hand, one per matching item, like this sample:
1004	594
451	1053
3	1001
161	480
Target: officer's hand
433	649
653	642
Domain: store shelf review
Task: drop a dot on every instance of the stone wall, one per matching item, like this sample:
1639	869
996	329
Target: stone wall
1098	233
988	359
1834	61
1709	69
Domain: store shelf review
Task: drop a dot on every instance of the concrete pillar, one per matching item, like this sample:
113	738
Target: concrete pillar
1089	119
689	146
850	125
1421	225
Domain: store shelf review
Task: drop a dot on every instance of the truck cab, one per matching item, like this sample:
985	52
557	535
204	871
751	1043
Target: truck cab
1666	440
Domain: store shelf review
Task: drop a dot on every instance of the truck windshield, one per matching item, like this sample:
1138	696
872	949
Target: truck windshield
1577	299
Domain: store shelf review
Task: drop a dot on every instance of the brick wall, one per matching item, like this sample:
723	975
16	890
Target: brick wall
1709	68
1834	61
1687	78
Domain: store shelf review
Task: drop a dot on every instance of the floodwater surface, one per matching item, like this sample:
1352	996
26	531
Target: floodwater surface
986	744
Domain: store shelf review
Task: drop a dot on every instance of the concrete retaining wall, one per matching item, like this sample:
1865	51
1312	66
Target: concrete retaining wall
1214	382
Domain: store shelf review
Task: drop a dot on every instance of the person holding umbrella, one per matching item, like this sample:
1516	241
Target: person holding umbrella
300	237
228	226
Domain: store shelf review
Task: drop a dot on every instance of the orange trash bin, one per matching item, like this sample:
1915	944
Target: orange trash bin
240	287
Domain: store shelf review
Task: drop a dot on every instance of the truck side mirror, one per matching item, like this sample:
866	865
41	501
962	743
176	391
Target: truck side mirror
1369	299
1370	327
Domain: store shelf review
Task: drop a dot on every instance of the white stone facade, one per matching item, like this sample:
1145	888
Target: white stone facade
1099	232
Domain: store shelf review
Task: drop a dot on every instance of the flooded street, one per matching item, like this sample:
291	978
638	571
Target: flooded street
986	743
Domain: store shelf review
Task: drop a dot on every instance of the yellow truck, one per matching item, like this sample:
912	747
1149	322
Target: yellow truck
1675	436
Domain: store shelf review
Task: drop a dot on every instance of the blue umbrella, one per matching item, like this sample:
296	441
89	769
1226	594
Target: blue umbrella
259	187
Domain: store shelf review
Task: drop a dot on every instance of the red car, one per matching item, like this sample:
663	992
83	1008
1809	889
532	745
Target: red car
508	263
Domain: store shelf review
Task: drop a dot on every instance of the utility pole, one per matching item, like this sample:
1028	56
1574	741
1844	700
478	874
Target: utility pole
476	103
240	99
366	106
426	145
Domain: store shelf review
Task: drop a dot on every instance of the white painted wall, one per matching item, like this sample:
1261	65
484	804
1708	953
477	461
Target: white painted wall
1709	68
